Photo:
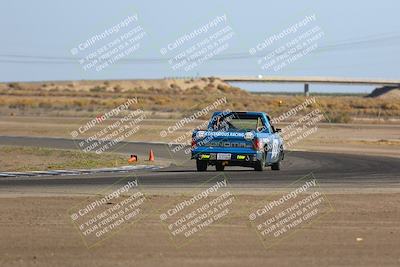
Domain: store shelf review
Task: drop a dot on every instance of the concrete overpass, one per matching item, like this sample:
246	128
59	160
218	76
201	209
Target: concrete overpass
312	80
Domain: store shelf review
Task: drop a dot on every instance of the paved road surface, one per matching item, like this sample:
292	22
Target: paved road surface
331	170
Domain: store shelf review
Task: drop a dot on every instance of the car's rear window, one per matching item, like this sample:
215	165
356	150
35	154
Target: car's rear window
236	122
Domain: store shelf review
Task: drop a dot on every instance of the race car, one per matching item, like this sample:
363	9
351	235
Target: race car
238	139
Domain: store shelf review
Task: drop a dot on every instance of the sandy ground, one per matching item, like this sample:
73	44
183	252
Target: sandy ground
362	230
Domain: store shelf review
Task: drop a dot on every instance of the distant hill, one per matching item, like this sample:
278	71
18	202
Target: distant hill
117	85
386	92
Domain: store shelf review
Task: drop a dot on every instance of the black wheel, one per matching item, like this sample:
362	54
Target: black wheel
260	164
219	167
276	166
201	165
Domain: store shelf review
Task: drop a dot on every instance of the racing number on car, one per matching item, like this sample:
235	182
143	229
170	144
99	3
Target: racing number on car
275	146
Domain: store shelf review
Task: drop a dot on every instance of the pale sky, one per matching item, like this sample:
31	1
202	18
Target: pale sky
361	38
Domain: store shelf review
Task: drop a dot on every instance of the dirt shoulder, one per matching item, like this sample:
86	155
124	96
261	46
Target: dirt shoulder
24	158
363	230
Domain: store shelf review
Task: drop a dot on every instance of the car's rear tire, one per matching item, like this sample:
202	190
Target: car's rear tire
219	167
260	165
201	165
276	166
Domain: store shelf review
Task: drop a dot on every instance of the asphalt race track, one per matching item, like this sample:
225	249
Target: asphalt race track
331	170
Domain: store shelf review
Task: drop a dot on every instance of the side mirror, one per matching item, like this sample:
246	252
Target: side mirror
277	130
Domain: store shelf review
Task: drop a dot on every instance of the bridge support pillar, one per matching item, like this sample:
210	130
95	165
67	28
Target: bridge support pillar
306	89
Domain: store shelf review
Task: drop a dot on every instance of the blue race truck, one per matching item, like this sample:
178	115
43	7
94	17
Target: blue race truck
238	139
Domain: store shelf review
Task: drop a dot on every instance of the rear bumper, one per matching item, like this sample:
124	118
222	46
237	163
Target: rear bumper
235	157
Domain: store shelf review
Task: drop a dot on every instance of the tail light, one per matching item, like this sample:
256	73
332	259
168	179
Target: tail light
193	143
258	144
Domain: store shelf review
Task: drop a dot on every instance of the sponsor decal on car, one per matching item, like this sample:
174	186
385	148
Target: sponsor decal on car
228	144
228	134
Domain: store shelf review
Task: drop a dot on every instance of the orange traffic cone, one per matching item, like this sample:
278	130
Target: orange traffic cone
132	159
151	155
